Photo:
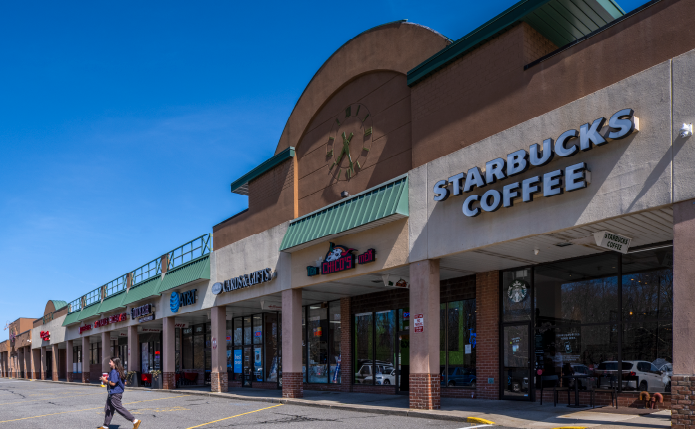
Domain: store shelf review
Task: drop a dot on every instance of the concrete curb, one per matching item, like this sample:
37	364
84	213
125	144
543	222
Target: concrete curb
423	414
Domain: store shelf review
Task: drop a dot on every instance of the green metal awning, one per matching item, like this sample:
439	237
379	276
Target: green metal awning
382	204
72	318
191	271
90	311
142	290
58	304
113	302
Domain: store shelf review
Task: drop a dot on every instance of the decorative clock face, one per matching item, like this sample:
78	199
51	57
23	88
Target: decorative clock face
349	142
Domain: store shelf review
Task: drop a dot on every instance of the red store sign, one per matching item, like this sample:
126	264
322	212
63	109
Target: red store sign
45	335
340	258
108	320
85	328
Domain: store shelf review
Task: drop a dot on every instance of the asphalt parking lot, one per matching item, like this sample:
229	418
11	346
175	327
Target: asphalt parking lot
27	404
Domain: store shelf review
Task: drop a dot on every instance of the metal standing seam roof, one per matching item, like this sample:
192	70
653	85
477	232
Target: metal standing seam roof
72	318
193	270
382	204
113	302
58	304
90	311
561	21
142	290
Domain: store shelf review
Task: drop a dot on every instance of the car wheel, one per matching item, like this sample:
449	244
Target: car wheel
387	381
643	386
451	384
516	387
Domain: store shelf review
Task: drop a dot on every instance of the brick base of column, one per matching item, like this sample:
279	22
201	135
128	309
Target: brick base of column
85	377
168	380
43	375
682	396
69	376
292	385
55	376
425	391
219	382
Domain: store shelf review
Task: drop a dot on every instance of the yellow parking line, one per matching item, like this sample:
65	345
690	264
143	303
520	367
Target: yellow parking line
88	409
227	418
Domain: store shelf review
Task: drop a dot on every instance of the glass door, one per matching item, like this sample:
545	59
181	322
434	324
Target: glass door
248	367
516	362
403	359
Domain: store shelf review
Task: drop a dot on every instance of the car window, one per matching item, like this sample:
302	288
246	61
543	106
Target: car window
654	368
643	366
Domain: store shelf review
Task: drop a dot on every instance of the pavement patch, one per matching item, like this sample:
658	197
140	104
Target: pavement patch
238	415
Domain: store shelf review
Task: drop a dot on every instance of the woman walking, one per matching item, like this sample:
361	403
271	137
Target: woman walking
115	385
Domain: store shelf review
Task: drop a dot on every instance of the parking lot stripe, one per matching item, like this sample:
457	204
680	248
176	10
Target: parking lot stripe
227	418
89	409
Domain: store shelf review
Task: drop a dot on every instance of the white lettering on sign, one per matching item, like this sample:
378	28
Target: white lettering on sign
419	323
611	241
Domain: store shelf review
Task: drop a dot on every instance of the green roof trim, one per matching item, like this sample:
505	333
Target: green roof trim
90	311
194	270
561	21
113	302
376	206
71	318
241	185
142	290
58	304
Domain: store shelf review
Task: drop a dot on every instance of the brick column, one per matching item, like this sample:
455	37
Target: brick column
105	352
20	362
683	380
168	353
85	359
55	361
36	363
68	360
345	345
488	343
44	368
292	379
134	351
218	327
28	373
425	388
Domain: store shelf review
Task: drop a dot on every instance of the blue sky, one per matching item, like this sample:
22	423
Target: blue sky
122	124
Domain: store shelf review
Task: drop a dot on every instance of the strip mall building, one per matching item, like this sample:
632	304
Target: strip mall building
440	218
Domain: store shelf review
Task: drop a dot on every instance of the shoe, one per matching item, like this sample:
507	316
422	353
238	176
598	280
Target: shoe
136	424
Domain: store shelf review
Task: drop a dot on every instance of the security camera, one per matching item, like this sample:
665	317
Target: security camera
344	194
686	130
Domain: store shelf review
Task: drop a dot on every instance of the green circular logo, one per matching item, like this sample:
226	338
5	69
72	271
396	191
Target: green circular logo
517	290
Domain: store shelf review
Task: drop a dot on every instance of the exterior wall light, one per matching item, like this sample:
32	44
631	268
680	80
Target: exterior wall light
686	130
344	194
536	251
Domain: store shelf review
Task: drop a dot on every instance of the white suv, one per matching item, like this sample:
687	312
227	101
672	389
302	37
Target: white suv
638	375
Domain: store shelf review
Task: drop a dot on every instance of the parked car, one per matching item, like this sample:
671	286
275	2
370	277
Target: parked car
387	377
581	369
459	376
637	375
364	374
667	369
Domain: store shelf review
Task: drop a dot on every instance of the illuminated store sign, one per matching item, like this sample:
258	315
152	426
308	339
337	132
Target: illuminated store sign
555	182
85	328
45	335
247	280
340	258
182	299
141	311
113	319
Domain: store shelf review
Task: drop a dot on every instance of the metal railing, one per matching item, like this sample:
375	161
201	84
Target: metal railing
183	254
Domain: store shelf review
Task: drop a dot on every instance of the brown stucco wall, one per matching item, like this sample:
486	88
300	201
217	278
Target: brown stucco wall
488	91
385	95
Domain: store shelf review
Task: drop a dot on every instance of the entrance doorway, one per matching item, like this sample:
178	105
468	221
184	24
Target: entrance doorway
49	365
516	362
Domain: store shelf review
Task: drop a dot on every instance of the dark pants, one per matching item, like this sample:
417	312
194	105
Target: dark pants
113	404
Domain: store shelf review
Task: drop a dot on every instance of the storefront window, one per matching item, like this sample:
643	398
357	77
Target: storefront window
580	327
230	348
364	348
177	345
334	333
248	337
304	343
198	347
318	344
237	351
95	354
385	354
77	359
458	343
271	346
516	283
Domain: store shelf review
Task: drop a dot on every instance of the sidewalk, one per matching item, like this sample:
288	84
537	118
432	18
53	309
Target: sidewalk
515	414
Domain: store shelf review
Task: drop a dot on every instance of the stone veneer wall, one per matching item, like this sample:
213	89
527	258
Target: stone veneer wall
683	394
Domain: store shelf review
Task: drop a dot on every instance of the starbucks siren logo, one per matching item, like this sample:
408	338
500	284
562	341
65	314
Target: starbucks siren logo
517	290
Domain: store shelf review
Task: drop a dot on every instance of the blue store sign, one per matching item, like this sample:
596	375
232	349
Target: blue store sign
178	300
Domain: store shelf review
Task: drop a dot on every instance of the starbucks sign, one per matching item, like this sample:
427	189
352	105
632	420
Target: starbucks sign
517	290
